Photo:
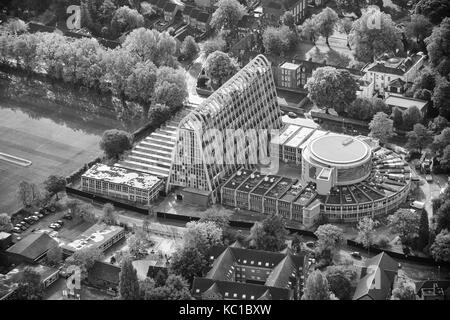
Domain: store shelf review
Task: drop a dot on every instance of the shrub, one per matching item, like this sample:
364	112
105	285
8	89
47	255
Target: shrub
383	241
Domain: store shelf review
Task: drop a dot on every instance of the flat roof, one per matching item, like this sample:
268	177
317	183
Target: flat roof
286	134
95	236
302	122
316	134
123	176
339	148
290	66
405	102
299	137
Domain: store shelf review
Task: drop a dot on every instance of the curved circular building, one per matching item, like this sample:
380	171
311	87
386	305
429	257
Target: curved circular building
348	158
355	179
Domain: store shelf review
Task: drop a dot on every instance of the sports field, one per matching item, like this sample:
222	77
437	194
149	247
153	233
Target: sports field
53	148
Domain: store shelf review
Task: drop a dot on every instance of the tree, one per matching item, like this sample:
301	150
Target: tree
441	97
419	27
405	290
288	20
423	94
55	255
397	116
419	138
175	288
345	25
370	41
411	116
27	193
29	286
151	45
170	88
438	44
219	217
270	234
140	84
5	223
329	237
219	67
202	235
85	259
326	21
109	215
435	10
310	30
189	48
279	40
351	5
441	141
440	250
227	14
55	184
366	227
114	142
360	109
443	216
189	263
128	282
406	223
381	127
316	287
424	231
125	19
438	124
330	87
212	45
339	284
426	79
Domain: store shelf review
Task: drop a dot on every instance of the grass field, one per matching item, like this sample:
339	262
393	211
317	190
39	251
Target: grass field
53	148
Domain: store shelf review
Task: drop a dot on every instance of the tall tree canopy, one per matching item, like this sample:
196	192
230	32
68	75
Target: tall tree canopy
329	87
227	14
373	34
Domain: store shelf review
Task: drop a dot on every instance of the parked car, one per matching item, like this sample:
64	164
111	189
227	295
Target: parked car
429	178
292	114
24	223
29	220
60	222
356	255
54	226
22	227
16	230
34	218
67	216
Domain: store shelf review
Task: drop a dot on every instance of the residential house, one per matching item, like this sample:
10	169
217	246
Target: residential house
246	274
150	267
9	281
104	276
293	75
207	5
377	278
433	290
170	11
275	9
31	249
386	70
405	103
196	19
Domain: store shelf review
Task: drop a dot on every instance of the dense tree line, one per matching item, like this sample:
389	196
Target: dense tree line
144	69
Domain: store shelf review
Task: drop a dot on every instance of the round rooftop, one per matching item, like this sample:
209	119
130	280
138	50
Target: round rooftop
339	149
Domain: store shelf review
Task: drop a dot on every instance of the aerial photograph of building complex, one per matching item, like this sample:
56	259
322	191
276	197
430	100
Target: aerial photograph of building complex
224	150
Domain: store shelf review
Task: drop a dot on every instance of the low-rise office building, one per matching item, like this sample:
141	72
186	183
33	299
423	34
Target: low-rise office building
122	183
100	235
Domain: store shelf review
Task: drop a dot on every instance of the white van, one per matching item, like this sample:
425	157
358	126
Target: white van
418	205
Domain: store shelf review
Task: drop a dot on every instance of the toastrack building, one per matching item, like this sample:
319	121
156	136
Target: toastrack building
342	177
228	130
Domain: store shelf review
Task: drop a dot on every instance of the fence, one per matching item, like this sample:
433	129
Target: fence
398	255
101	199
